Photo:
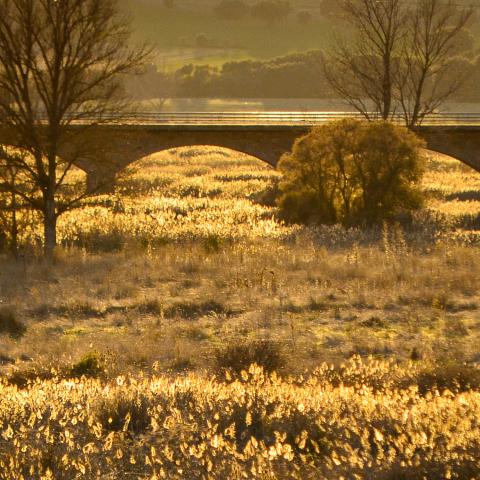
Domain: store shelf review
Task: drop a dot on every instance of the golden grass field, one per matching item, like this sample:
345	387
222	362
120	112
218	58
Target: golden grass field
201	193
185	271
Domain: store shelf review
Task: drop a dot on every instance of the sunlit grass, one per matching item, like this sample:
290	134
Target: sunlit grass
256	427
203	192
377	335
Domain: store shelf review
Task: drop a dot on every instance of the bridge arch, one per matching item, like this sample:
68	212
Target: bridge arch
198	171
191	161
460	143
124	145
194	150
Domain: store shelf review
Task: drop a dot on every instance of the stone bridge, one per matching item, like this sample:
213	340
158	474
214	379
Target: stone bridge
108	148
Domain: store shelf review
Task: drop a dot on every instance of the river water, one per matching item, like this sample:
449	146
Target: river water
282	104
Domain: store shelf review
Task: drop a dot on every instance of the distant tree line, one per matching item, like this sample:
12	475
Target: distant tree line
274	11
298	75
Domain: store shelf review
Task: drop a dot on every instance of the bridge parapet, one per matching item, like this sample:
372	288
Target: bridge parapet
259	118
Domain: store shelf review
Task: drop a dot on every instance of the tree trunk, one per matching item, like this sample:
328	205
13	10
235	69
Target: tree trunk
387	88
14	229
50	227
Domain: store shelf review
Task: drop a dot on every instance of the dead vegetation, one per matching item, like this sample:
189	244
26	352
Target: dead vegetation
143	354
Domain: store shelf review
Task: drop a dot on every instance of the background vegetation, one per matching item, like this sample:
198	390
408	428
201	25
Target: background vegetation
203	53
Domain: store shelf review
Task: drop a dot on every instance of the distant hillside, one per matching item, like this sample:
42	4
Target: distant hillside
194	32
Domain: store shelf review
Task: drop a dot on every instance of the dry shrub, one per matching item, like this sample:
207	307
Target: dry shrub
26	377
453	376
9	323
120	411
194	310
237	357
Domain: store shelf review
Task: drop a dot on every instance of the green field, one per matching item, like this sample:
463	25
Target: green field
174	33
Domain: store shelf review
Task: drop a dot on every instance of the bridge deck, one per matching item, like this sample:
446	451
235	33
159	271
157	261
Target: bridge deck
260	118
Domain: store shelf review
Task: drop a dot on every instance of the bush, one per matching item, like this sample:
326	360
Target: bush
304	17
202	41
89	366
452	376
237	357
351	172
122	410
25	377
9	324
193	310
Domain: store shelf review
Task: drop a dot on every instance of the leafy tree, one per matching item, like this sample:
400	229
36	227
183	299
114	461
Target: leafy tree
351	172
297	75
60	63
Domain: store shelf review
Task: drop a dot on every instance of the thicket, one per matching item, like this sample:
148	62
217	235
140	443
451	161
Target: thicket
351	172
268	11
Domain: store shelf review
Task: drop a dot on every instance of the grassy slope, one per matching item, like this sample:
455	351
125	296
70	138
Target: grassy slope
169	29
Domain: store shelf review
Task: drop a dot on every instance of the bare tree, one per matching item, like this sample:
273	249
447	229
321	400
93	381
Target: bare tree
396	60
60	66
434	29
362	70
9	204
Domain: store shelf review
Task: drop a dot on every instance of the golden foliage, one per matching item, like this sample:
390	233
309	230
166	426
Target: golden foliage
260	426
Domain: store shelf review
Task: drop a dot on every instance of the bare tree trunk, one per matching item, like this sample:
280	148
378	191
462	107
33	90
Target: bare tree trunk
387	89
50	224
14	228
397	56
361	69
